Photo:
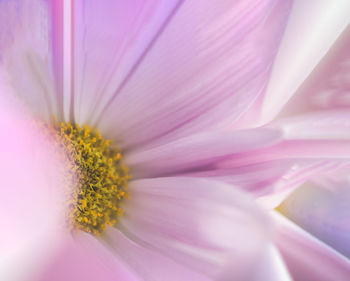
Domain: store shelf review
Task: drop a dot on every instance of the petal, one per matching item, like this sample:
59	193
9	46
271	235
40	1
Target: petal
32	196
267	163
321	137
154	267
25	53
312	29
316	135
328	86
210	62
109	37
148	264
207	226
271	267
270	181
308	258
198	151
84	258
323	212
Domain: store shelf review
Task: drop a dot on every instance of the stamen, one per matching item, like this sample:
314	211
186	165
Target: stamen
100	176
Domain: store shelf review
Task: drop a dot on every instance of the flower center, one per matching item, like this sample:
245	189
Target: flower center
101	178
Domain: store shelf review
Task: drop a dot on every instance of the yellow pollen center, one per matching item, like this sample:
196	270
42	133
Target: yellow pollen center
101	178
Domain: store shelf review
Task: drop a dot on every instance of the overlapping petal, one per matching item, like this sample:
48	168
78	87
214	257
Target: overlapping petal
328	86
307	257
315	135
264	161
148	264
204	70
323	211
109	39
202	224
199	151
313	28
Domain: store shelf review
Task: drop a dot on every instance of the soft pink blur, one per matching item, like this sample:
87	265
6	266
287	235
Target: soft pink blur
32	196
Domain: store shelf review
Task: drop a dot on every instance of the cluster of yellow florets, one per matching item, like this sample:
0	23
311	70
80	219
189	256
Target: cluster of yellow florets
100	175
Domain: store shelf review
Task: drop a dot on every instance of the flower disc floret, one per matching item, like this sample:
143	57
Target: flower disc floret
100	176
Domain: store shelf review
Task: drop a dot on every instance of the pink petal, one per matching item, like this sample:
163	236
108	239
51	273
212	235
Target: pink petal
25	53
311	144
84	258
31	212
318	139
148	264
198	151
328	87
269	181
207	226
271	267
308	258
323	212
153	266
210	62
267	163
313	28
109	38
315	135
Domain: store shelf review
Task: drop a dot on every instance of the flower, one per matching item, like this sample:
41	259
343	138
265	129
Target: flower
185	89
